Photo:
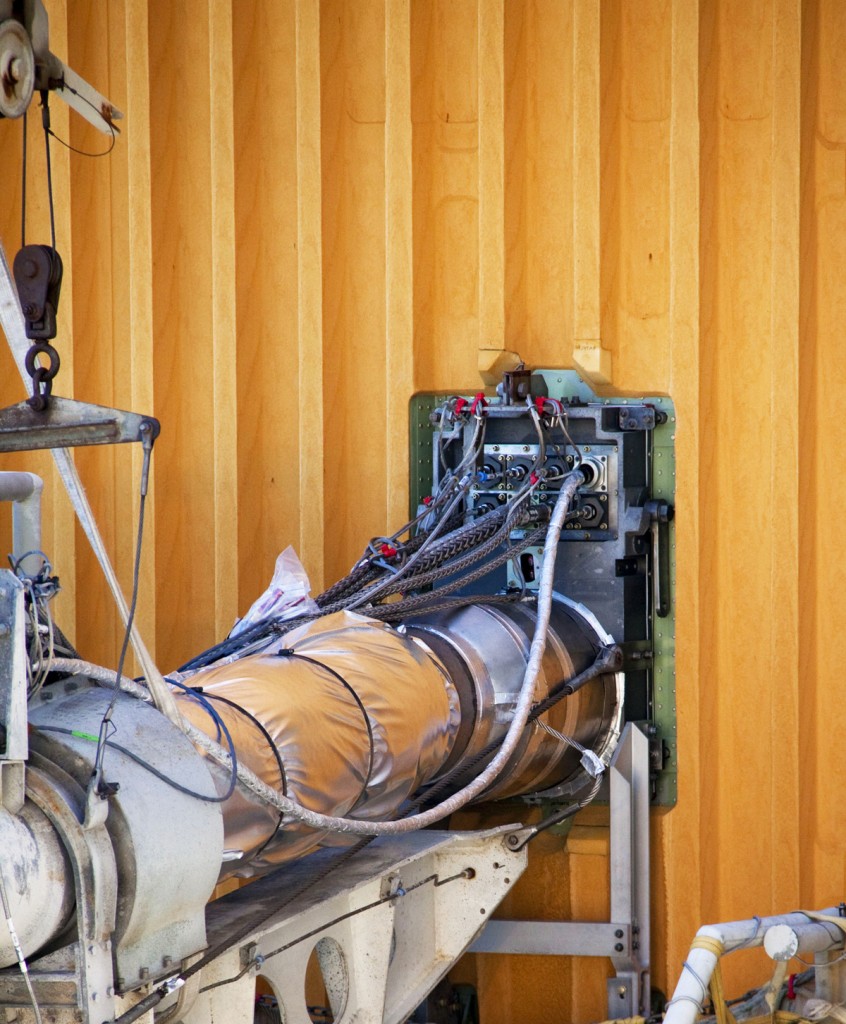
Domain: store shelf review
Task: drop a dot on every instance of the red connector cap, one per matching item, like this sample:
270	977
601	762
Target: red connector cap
478	401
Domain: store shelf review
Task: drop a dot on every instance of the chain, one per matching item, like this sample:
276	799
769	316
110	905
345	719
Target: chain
42	376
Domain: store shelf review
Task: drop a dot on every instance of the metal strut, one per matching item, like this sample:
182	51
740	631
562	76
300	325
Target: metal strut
625	938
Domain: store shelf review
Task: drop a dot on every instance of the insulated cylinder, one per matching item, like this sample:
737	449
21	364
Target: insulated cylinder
350	717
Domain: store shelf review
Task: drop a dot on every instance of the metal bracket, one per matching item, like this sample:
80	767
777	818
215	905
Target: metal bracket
95	879
385	928
70	424
644	417
625	939
661	514
38	273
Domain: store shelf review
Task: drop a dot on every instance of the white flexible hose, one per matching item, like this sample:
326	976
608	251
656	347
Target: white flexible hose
104	676
481	782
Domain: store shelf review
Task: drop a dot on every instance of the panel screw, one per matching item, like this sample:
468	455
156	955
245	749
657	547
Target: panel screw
619	947
618	934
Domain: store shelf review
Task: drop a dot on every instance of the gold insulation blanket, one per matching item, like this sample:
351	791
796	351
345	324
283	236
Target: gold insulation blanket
360	717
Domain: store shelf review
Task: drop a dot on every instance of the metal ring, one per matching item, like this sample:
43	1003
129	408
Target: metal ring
42	349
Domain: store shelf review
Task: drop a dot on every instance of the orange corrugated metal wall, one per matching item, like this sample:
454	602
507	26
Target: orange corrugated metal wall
317	208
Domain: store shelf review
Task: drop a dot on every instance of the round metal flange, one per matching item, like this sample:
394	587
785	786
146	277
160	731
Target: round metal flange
781	942
17	69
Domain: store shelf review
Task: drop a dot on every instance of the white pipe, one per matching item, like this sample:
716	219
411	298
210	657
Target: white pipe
24	489
692	989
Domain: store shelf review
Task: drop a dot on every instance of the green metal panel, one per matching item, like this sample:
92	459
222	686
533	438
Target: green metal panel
568	384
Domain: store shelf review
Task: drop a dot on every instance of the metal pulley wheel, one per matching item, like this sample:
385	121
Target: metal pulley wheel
17	69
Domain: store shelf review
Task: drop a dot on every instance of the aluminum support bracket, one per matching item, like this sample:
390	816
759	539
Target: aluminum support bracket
66	423
386	927
625	939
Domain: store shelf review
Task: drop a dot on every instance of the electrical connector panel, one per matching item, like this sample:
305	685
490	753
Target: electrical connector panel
616	554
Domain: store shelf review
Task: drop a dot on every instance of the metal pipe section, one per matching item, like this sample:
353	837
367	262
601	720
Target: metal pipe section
347	716
692	989
24	490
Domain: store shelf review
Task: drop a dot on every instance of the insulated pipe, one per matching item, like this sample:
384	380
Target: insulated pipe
714	940
517	719
24	490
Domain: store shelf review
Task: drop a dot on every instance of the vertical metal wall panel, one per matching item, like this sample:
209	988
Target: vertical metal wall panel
100	365
181	77
822	376
266	287
353	113
539	255
319	206
445	140
749	323
634	189
678	863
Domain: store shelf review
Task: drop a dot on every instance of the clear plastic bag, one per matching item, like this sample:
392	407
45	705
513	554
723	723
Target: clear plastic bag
288	595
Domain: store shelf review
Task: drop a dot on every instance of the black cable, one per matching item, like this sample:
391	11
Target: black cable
155	771
23	185
290	652
425	604
434	878
397	609
84	152
232	645
103	739
273	749
113	130
45	121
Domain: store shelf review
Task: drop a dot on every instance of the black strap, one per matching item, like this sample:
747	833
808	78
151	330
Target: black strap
269	739
289	652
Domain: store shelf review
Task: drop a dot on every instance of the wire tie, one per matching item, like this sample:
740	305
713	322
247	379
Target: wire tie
695	975
686	999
